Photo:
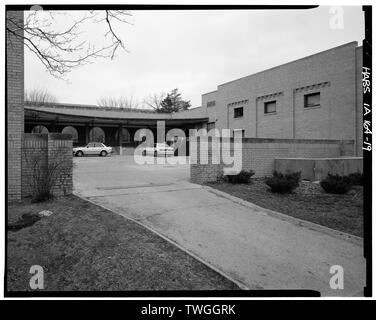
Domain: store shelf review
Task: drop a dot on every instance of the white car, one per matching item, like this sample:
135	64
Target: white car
92	148
159	149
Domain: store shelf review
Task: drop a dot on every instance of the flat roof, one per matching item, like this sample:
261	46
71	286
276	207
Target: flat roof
87	111
352	43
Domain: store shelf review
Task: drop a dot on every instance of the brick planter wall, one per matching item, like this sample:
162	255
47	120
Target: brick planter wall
47	149
317	169
258	155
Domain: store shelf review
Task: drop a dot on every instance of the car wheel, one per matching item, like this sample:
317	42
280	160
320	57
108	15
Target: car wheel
79	153
103	153
155	154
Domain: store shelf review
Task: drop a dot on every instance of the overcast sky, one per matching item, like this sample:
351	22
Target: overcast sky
195	51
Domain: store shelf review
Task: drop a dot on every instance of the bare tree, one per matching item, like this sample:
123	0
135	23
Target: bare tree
60	51
123	102
39	97
154	100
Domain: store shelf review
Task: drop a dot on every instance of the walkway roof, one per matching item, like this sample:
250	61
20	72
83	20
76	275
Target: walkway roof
95	114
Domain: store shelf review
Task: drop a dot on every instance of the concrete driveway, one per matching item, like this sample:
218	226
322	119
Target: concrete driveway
247	243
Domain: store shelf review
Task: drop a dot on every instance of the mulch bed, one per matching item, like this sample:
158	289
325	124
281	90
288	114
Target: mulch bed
308	202
84	247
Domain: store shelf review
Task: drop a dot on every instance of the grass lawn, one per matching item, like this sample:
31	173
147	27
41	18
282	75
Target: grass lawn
84	247
308	202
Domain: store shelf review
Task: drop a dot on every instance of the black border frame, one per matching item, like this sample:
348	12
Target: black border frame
367	156
367	98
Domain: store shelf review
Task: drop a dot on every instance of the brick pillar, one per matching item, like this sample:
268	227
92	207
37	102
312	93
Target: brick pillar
15	100
59	153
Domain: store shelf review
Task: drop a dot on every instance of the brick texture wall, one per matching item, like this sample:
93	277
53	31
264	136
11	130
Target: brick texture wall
259	154
15	91
334	73
43	152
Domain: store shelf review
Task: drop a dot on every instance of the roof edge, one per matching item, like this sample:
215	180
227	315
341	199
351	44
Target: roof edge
352	43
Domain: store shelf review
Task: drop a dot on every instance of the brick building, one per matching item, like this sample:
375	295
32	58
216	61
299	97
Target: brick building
316	97
312	103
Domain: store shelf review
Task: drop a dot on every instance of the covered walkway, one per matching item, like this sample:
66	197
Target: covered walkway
112	126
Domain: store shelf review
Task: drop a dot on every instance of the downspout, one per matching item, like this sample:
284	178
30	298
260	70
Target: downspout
256	117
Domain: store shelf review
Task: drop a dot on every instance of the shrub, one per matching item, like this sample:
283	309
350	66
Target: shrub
356	178
336	184
43	176
283	183
242	177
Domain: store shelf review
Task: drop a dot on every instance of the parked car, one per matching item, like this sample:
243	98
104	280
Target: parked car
92	148
159	149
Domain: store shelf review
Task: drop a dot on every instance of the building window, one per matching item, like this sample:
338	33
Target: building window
210	104
238	112
312	100
270	107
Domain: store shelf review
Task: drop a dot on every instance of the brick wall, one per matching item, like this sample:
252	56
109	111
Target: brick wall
258	154
46	151
15	91
318	169
333	73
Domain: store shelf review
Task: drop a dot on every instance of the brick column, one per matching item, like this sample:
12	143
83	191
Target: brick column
15	101
59	153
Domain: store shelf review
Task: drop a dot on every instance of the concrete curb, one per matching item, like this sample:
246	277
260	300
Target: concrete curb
240	284
296	221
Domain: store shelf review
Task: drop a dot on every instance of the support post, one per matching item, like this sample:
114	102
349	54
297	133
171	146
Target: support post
120	138
87	133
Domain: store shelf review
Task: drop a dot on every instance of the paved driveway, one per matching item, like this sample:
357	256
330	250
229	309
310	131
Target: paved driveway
248	244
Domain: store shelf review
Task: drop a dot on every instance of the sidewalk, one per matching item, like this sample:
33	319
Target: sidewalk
251	246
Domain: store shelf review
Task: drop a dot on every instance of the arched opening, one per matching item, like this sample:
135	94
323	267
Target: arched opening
72	131
39	129
97	134
125	135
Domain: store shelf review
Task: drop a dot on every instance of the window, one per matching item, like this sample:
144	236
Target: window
210	104
270	107
238	112
312	100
